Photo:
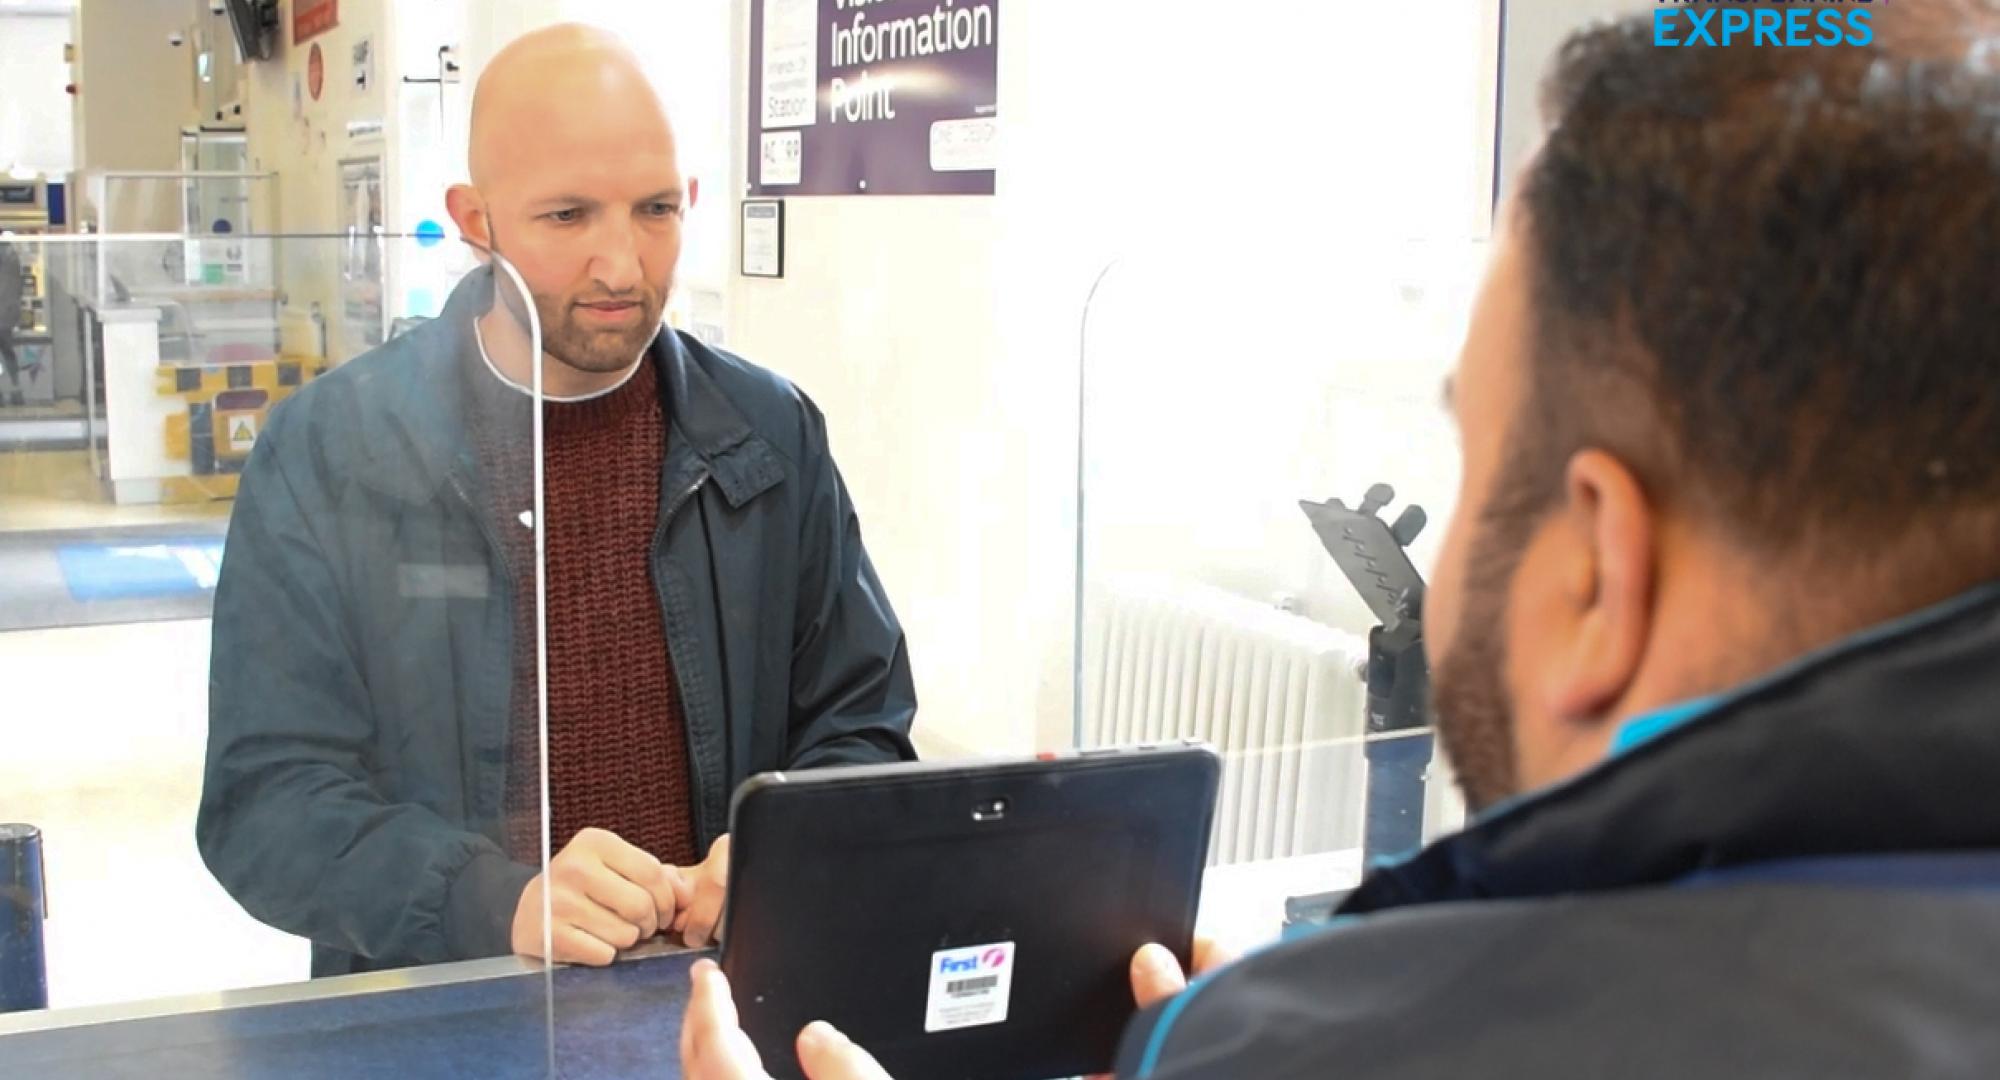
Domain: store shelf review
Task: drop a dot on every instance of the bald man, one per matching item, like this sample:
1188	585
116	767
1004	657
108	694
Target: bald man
375	776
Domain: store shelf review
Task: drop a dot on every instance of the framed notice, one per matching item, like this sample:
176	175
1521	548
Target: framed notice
763	238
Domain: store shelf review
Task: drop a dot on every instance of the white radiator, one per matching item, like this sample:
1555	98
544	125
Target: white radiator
1279	695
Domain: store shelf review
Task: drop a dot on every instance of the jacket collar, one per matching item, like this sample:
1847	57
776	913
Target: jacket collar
424	414
1885	743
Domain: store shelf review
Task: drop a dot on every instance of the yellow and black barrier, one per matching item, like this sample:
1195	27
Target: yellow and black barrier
227	405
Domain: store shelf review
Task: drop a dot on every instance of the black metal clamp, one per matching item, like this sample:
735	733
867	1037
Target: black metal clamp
1399	744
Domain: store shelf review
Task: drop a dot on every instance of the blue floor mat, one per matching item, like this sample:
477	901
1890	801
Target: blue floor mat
140	567
96	577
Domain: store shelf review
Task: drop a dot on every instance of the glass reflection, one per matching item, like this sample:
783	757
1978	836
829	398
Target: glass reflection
1255	551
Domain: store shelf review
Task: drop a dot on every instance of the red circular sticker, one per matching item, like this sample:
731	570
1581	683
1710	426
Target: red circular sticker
315	71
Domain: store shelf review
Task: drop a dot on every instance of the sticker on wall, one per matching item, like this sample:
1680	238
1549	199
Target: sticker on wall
311	18
429	233
779	161
364	64
315	72
242	433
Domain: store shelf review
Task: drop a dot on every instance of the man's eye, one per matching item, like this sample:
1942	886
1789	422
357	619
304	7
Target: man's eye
663	209
564	216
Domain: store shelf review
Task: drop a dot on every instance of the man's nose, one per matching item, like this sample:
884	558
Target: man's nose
615	263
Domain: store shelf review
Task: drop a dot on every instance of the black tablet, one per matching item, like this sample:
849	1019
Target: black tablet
972	921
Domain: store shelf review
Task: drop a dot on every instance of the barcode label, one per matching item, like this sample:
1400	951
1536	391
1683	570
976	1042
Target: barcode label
970	986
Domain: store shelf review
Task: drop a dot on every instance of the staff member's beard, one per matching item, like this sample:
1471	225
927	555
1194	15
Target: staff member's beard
1469	690
596	351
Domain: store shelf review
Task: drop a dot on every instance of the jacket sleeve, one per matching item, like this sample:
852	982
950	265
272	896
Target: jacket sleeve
853	700
289	821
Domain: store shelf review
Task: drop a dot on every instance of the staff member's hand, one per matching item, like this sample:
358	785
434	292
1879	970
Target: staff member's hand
708	886
1157	976
604	895
714	1047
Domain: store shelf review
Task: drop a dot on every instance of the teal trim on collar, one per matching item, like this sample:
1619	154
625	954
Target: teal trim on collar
1645	728
1156	1044
1641	730
1156	1041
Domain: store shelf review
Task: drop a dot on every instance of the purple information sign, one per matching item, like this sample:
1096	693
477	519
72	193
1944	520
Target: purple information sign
874	97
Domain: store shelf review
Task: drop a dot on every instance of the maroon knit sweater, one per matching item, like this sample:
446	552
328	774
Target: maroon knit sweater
618	755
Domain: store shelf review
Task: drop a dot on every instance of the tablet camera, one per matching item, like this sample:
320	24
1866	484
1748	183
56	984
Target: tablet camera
990	810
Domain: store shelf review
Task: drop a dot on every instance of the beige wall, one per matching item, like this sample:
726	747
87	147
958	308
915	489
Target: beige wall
305	147
134	90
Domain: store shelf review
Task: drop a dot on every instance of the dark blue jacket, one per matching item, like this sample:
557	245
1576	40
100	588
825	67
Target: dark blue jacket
1798	879
363	642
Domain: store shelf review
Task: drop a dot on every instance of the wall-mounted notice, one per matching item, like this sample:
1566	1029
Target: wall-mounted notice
874	97
311	18
364	64
763	238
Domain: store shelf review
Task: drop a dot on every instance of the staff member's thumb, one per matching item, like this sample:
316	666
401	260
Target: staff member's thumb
826	1054
1156	976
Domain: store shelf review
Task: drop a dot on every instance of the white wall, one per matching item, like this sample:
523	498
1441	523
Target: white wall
886	316
34	110
1535	29
1246	174
1295	230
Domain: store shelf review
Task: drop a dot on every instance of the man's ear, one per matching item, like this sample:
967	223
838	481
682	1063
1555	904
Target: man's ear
468	212
1611	588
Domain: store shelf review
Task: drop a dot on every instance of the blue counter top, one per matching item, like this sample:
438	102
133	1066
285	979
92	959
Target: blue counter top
620	1021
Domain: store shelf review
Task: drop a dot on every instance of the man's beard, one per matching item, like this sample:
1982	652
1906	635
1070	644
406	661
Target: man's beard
576	346
597	351
1475	720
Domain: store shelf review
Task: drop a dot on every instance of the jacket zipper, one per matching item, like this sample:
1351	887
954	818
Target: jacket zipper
678	655
493	549
680	500
496	555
